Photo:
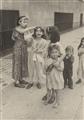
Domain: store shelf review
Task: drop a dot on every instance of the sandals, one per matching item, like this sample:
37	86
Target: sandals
38	85
23	82
29	85
19	85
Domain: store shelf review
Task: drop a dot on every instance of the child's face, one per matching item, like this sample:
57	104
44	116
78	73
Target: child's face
54	54
23	22
68	52
39	33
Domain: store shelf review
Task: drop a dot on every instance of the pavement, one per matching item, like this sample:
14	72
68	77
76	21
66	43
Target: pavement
23	104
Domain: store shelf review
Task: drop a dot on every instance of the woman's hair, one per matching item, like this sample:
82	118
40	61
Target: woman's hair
36	28
51	48
54	34
20	19
81	42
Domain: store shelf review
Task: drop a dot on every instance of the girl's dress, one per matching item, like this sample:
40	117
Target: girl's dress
20	67
81	63
54	78
39	49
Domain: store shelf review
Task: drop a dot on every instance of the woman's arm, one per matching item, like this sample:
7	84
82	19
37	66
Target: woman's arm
14	35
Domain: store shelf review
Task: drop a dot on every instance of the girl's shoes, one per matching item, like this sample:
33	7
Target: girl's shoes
79	81
71	87
23	82
29	85
38	85
51	100
44	97
19	85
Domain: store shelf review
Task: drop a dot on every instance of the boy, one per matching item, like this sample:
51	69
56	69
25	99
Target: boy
68	67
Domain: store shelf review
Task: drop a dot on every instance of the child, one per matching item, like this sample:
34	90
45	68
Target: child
20	70
54	74
54	36
81	61
68	67
39	48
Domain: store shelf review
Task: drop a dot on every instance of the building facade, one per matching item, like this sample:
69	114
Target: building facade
66	14
43	12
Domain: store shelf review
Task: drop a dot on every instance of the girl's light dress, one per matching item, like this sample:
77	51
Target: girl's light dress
54	78
39	49
81	63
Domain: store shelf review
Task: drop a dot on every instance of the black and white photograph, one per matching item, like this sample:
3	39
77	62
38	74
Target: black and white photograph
41	59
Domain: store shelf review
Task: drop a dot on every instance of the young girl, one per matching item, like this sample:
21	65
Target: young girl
81	61
54	73
20	70
54	36
39	48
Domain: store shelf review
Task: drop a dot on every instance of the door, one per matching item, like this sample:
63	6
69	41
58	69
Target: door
63	21
8	20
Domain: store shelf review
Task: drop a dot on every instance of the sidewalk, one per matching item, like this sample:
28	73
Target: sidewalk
5	71
22	104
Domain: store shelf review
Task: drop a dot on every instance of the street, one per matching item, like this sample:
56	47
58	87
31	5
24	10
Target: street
24	104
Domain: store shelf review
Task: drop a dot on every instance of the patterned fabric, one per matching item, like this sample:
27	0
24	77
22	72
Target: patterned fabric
20	67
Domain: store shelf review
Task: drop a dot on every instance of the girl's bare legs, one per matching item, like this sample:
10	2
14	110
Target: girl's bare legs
49	94
56	102
38	73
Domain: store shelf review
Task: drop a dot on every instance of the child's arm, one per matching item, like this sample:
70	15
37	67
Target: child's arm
48	65
58	63
49	68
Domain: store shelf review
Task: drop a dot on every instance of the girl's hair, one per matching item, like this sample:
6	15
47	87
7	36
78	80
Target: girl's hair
81	42
69	48
51	48
36	28
54	34
20	19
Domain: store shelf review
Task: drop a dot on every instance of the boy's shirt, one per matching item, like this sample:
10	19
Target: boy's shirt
68	62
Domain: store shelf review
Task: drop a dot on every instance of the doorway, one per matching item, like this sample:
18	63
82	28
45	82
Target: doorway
63	21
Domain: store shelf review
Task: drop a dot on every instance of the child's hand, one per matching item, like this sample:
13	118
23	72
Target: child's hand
56	64
49	69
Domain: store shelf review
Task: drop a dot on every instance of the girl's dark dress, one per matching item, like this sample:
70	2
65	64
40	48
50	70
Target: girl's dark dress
20	58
